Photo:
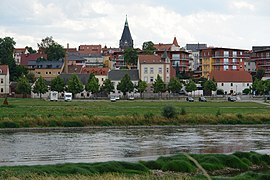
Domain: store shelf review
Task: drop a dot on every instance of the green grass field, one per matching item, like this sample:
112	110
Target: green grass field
29	107
41	113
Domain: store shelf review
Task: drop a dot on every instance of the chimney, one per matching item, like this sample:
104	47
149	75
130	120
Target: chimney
66	60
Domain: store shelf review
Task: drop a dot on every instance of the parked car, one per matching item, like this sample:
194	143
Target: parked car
131	97
232	98
190	99
202	99
113	99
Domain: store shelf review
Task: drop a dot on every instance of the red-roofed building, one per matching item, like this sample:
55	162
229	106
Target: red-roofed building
232	81
90	49
150	66
17	54
4	79
25	58
100	73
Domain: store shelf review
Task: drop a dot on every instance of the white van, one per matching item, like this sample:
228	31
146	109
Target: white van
53	96
67	96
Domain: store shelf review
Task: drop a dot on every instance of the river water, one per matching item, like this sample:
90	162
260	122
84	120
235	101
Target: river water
123	144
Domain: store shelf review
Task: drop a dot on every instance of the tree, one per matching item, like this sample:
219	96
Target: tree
191	86
23	86
209	86
159	85
58	84
125	85
174	85
260	73
148	47
130	56
74	85
31	77
92	84
107	86
6	55
142	85
30	50
53	50
20	70
40	86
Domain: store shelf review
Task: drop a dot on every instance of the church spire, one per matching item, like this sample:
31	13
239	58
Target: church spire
126	40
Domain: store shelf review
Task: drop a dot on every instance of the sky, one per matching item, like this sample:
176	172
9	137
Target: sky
219	23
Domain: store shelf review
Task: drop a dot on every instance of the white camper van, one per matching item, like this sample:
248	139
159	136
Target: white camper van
53	96
67	96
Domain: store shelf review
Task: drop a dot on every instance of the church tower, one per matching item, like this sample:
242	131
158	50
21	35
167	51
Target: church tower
126	40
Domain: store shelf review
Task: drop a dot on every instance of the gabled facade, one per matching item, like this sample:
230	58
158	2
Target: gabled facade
150	66
4	79
126	40
232	81
100	73
222	59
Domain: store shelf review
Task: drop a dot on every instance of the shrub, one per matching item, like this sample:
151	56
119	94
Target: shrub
7	124
246	91
72	124
169	112
234	162
220	92
152	164
149	116
178	166
183	111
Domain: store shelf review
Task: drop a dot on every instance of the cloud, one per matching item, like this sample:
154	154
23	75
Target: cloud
243	5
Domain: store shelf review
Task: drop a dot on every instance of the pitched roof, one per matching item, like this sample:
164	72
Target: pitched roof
231	76
74	69
46	64
74	57
150	59
163	47
95	70
175	41
126	39
4	69
117	75
28	57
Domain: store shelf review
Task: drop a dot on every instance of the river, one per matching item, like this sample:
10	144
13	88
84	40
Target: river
127	144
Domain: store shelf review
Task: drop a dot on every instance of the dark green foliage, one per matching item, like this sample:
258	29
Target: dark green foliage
130	56
107	86
72	124
174	85
152	164
159	85
169	112
142	85
220	92
211	166
92	84
40	86
209	86
178	166
7	124
74	85
148	47
183	111
191	86
125	85
246	91
234	162
23	86
57	84
149	115
218	113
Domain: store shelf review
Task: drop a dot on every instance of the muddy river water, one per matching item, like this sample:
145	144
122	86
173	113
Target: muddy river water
128	144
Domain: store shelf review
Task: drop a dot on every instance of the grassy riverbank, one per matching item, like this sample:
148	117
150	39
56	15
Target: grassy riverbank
40	113
181	166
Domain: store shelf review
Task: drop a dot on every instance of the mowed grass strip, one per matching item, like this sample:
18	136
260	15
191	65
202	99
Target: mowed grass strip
36	107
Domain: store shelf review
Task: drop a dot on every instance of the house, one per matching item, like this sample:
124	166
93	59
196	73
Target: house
232	82
94	60
17	54
116	75
150	66
4	80
100	73
90	49
222	59
25	58
47	69
262	59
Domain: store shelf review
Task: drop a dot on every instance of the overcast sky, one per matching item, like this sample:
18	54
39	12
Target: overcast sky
221	23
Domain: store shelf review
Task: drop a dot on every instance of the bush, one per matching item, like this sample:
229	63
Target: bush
7	124
72	124
169	112
246	91
152	164
220	92
149	116
234	162
183	111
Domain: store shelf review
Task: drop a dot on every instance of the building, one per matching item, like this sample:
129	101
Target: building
262	60
222	59
25	58
232	82
100	73
17	54
150	66
126	40
47	69
4	79
194	49
90	49
94	60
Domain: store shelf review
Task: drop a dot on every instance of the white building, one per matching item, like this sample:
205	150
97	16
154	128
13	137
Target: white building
150	66
232	82
4	79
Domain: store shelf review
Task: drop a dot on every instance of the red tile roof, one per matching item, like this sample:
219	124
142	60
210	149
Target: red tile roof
4	69
175	41
150	59
96	71
231	76
30	57
162	47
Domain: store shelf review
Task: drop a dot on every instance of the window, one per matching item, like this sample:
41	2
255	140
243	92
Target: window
167	70
226	53
234	60
247	84
226	68
226	61
241	53
241	60
58	72
234	68
231	84
151	70
175	56
102	79
234	53
151	79
145	70
160	70
222	84
145	78
2	90
82	95
2	81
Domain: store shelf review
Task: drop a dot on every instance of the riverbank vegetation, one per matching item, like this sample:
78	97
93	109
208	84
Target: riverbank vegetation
40	113
240	165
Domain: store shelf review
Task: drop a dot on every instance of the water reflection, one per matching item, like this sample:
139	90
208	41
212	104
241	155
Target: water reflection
128	144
